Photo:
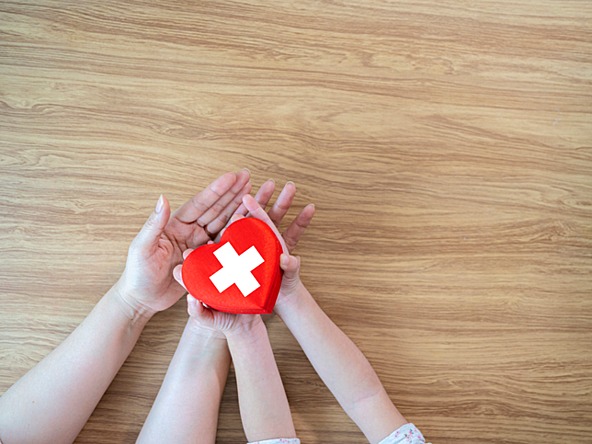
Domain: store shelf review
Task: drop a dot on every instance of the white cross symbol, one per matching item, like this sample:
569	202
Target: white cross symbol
236	269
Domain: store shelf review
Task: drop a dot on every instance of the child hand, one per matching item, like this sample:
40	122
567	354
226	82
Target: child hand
206	320
290	264
291	283
292	234
255	206
214	322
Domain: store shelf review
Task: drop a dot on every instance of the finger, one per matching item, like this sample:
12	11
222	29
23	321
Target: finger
218	207
265	192
147	238
222	219
191	305
259	213
291	265
194	307
191	210
263	196
282	203
298	226
187	253
178	275
233	219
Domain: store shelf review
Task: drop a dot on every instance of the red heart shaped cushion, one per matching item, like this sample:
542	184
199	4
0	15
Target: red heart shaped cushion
241	273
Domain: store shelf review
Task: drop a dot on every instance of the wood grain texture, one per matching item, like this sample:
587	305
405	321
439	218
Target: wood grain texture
447	146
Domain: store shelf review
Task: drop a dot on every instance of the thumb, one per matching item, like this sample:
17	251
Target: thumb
291	266
194	307
148	236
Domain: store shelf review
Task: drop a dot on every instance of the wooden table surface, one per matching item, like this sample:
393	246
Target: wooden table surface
447	145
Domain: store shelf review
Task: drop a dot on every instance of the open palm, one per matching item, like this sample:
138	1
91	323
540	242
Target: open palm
147	282
228	323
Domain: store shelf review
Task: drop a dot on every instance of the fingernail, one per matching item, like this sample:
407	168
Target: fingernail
159	204
283	260
290	182
247	170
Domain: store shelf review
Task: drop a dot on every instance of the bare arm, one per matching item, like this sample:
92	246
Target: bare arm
338	361
264	408
53	401
341	365
187	405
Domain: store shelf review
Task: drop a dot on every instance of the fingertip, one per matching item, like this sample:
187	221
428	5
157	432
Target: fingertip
266	189
306	215
228	178
249	201
159	205
309	210
252	205
284	261
243	176
190	305
178	275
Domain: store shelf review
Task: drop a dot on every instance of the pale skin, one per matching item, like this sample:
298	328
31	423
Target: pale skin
337	360
42	407
52	402
191	392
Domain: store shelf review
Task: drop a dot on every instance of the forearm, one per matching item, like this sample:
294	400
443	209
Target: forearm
187	405
341	365
53	401
264	408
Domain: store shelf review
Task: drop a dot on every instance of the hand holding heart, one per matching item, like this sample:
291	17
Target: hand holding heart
209	319
147	285
210	322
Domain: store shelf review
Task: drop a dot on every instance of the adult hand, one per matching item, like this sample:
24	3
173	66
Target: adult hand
289	239
147	284
213	322
274	217
217	323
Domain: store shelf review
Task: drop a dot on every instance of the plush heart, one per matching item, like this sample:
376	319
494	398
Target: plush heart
241	273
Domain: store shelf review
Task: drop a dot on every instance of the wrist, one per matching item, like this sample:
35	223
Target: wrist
290	299
247	331
131	308
197	329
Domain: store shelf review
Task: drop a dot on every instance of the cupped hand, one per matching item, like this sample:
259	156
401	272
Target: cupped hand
147	284
274	217
255	207
289	239
217	323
